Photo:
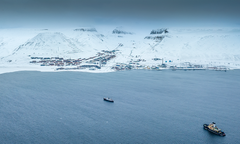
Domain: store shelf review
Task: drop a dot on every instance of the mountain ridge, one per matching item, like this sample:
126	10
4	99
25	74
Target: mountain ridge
197	45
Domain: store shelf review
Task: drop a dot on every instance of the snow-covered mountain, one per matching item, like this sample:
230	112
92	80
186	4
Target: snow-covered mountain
73	43
10	39
48	44
196	45
88	39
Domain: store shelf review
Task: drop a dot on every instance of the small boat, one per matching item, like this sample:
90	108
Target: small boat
213	129
108	99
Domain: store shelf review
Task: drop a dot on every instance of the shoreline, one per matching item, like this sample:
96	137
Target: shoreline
11	69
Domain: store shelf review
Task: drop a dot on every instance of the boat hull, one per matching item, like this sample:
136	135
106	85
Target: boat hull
205	126
108	100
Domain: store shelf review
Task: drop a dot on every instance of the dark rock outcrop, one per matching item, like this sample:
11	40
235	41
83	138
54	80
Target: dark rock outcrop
86	29
159	31
117	31
154	37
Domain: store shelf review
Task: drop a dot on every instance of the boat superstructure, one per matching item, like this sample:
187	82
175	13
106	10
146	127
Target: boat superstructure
213	129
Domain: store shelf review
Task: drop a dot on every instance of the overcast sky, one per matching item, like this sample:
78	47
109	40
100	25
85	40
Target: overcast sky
132	13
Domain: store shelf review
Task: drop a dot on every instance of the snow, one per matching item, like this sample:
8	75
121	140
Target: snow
206	46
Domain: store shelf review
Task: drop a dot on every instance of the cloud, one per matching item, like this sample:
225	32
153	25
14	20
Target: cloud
75	12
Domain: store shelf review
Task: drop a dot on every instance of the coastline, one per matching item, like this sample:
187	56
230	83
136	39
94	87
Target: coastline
11	69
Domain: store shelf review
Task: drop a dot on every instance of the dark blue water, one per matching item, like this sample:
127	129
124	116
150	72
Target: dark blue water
149	107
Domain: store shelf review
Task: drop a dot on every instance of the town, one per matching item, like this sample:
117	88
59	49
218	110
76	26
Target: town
103	57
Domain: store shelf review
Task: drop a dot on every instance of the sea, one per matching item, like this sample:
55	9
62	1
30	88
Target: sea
149	107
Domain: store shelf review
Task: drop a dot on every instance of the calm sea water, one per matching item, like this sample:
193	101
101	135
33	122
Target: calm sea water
149	107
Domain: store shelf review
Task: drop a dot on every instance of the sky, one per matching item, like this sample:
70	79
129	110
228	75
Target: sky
128	13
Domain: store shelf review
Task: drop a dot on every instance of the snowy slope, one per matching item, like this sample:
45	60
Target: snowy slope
78	43
195	45
214	46
48	44
89	39
10	39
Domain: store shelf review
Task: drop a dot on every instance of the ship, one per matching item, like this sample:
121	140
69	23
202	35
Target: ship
108	99
213	129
